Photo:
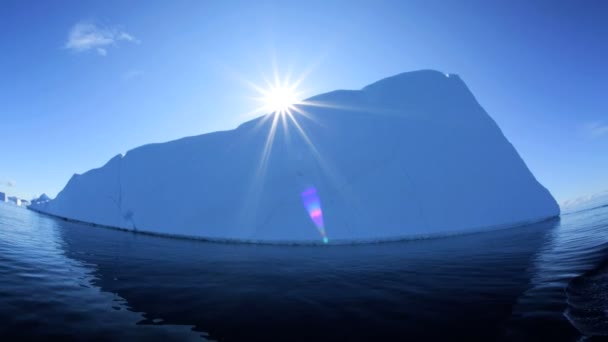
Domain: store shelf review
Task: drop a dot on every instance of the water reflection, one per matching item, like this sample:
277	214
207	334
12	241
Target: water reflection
461	286
45	294
540	282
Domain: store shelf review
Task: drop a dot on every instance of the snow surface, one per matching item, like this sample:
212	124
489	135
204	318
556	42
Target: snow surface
410	155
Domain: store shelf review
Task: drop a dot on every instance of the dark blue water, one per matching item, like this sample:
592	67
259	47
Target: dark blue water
71	281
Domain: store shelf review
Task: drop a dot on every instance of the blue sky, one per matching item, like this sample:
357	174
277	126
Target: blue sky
82	81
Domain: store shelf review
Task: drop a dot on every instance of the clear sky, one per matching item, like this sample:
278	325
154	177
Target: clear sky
81	81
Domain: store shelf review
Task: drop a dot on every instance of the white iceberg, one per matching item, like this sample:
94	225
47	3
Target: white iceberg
410	155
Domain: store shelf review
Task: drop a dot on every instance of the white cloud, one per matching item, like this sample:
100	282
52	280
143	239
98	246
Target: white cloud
597	129
126	36
85	36
132	74
8	183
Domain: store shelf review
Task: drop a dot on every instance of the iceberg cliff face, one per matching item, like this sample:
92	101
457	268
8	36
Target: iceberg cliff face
413	154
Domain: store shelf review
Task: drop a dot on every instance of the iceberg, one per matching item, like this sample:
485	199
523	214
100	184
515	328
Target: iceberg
41	199
412	155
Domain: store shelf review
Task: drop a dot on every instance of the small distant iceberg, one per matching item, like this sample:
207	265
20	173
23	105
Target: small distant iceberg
410	155
41	199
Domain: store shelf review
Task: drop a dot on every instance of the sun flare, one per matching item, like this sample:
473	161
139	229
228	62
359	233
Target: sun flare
280	99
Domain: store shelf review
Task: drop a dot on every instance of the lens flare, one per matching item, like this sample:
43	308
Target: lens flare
312	203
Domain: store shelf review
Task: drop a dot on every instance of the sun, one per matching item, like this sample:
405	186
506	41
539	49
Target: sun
279	95
280	98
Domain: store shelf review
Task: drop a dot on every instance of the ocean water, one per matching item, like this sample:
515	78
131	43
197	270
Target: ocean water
547	281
